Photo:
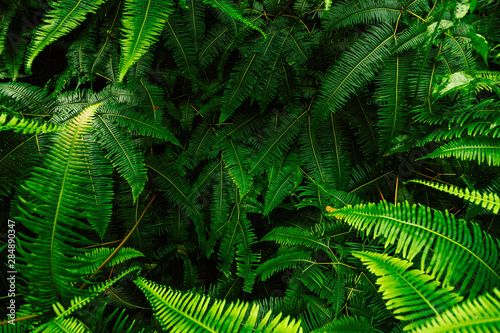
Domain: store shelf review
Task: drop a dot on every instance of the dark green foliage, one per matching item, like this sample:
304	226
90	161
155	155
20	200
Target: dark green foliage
264	165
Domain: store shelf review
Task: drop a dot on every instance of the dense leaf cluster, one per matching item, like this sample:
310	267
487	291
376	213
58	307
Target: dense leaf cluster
258	166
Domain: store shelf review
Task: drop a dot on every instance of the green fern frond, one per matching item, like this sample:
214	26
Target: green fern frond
96	257
490	201
481	314
237	239
286	132
143	21
288	260
27	126
51	205
243	77
80	56
218	38
179	42
97	63
279	188
458	55
292	236
63	17
135	121
237	160
356	68
33	98
392	88
124	156
478	148
347	324
101	184
229	10
416	230
335	148
14	54
410	38
177	191
411	294
73	325
186	313
347	13
5	20
79	302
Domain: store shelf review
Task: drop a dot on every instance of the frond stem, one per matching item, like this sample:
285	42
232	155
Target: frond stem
113	254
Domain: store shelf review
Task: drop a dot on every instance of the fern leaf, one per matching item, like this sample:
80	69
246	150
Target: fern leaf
229	10
181	45
286	132
177	191
5	20
189	313
242	80
237	159
481	314
52	211
292	236
79	302
217	39
123	154
285	261
35	99
347	13
101	183
73	325
418	230
411	294
347	324
142	22
63	17
392	101
236	243
98	60
94	258
279	188
470	148
356	68
135	121
27	126
490	201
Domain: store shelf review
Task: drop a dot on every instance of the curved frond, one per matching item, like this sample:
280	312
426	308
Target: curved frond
189	313
52	210
411	294
481	314
479	148
286	132
490	201
93	259
295	236
356	68
237	160
348	13
63	17
142	22
180	43
27	126
35	99
416	230
347	324
123	154
136	121
279	188
285	261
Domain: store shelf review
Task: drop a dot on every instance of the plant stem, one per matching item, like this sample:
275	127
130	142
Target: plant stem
113	254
